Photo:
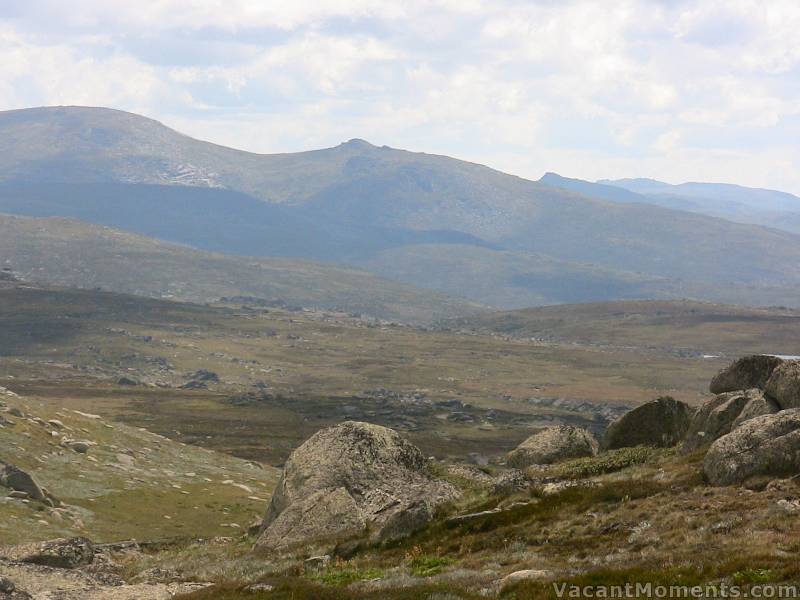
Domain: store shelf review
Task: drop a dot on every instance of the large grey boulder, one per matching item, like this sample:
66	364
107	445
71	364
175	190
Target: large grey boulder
721	414
552	445
353	479
766	445
325	516
16	479
661	423
784	385
745	373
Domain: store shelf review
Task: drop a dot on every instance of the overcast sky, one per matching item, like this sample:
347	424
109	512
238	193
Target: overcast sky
678	90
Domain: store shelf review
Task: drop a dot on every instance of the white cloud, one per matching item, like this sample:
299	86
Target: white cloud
696	89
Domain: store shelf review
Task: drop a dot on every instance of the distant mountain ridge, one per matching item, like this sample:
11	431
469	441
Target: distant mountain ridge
423	219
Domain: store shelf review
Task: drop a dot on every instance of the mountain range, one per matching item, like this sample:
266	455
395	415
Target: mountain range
430	221
754	206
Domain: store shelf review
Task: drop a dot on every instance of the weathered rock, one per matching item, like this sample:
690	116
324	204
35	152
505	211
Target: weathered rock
661	423
16	479
552	445
65	553
717	416
784	385
128	381
768	445
9	591
322	519
511	481
745	373
759	405
79	446
525	575
349	479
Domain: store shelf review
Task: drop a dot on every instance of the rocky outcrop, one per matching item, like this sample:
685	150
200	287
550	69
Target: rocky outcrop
723	413
784	385
351	480
552	445
745	373
660	423
767	445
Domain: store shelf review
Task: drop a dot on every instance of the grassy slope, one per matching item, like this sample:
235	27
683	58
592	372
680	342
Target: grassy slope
71	253
162	489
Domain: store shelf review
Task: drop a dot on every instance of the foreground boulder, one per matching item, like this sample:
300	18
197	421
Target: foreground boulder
723	413
784	384
347	481
552	445
766	445
746	373
661	423
65	553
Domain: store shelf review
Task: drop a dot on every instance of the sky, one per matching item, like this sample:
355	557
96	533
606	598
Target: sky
694	90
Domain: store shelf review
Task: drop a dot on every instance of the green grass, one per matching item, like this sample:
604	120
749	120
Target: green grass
607	462
345	575
428	566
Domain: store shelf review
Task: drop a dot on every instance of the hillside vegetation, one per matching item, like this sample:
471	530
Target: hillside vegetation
71	253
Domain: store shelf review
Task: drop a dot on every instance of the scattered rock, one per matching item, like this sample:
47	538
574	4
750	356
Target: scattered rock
55	424
526	575
259	587
64	553
345	479
79	446
765	445
127	381
552	445
745	373
9	591
511	481
716	417
204	375
784	385
661	423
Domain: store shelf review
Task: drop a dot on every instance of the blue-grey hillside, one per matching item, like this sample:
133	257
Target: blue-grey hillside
409	216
